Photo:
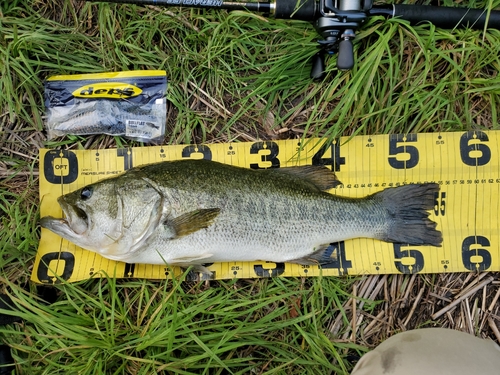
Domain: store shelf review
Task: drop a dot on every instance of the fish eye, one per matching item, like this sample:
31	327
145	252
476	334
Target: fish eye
86	192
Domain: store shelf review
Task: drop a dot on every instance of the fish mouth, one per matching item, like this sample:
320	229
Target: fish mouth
74	218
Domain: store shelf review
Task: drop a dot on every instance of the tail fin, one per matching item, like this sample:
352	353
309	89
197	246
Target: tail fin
409	222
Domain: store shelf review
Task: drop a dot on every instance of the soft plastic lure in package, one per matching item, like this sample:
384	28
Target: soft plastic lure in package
130	104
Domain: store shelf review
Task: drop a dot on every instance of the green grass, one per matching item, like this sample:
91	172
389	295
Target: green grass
232	77
406	78
141	327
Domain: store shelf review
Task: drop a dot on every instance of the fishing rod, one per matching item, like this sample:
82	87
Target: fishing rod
337	20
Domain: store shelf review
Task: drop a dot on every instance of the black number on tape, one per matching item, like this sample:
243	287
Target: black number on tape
334	159
336	251
415	255
188	151
43	267
265	159
471	253
60	166
440	203
269	272
396	149
126	154
469	150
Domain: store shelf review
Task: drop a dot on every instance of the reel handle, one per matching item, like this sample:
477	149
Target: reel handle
345	58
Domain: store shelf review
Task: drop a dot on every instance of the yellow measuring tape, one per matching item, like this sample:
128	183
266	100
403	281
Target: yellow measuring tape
465	164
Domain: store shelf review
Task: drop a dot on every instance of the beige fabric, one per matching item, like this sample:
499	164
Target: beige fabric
431	351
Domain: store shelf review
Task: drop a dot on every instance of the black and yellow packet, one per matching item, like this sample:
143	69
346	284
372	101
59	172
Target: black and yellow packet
131	104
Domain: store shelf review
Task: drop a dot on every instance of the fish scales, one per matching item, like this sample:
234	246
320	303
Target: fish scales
259	213
191	212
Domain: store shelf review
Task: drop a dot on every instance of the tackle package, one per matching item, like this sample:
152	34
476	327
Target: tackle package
130	104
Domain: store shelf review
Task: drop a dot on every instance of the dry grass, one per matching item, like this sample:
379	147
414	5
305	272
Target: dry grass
465	302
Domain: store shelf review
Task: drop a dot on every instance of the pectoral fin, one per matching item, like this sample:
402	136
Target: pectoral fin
191	222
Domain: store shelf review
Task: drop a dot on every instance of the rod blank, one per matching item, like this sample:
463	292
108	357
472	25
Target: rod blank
444	17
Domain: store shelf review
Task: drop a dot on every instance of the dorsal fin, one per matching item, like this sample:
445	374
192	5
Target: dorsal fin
320	176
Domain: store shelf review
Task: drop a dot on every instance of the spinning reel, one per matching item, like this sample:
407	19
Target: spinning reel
337	25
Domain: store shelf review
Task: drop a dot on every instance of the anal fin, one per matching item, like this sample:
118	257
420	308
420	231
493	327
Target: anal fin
321	255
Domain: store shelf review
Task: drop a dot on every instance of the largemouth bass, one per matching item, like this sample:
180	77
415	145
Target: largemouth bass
191	212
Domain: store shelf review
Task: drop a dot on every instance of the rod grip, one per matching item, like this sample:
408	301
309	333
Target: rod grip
304	10
447	17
